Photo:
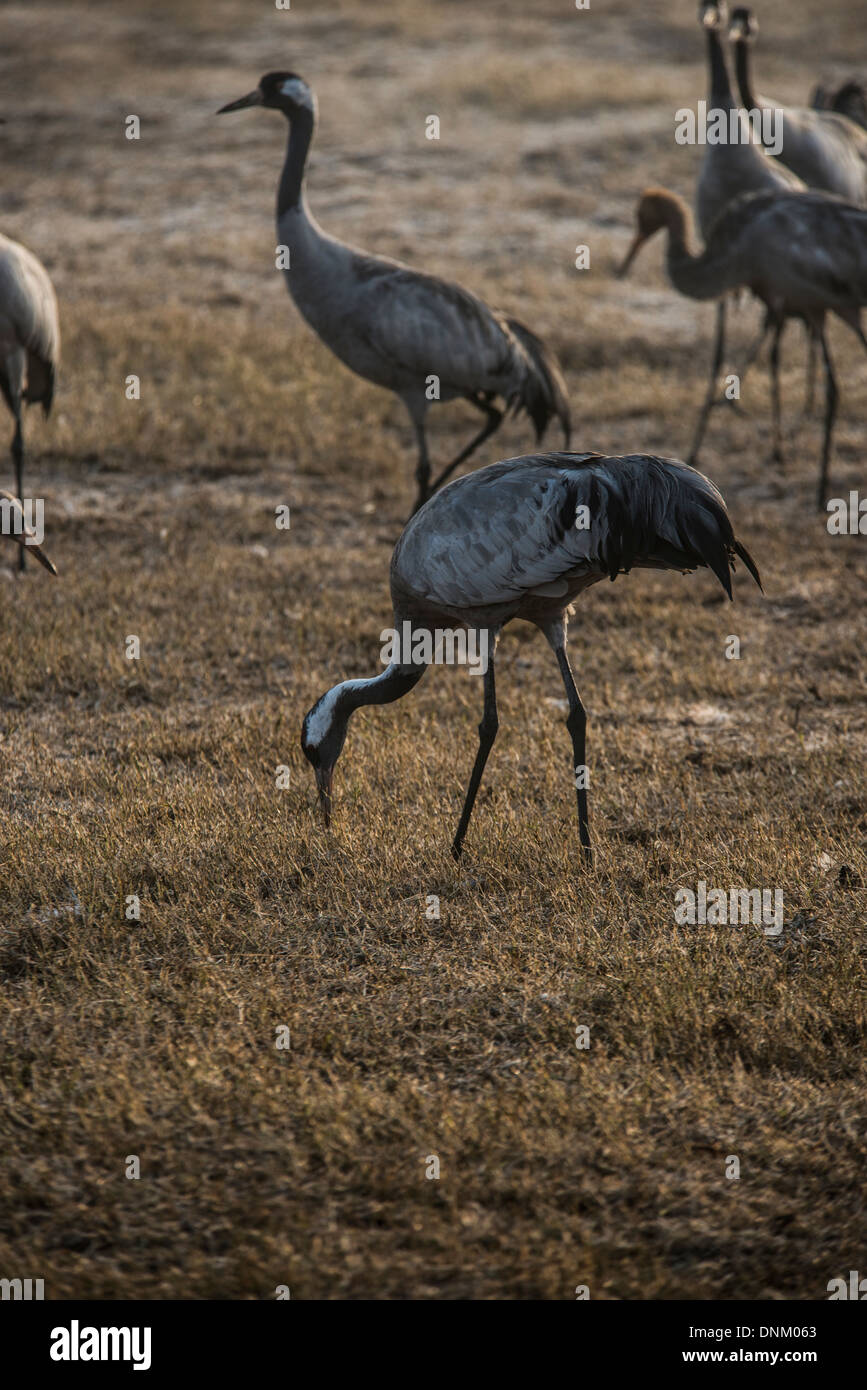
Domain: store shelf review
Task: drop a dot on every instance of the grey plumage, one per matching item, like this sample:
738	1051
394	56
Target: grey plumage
803	254
733	168
824	148
420	336
728	171
849	99
29	341
503	543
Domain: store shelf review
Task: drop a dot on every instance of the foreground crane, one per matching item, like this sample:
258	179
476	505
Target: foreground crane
422	337
522	539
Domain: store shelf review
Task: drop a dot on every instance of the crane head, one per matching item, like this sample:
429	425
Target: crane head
744	25
322	737
282	91
657	208
712	13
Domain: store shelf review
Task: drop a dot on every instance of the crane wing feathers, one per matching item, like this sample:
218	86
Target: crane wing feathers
427	326
536	525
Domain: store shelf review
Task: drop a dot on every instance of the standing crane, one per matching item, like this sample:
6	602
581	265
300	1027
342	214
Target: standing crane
29	341
522	539
728	170
398	327
803	254
824	148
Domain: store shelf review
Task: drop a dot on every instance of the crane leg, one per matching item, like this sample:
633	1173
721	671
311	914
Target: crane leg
810	390
487	733
774	362
754	350
493	422
710	394
831	395
422	469
18	458
576	723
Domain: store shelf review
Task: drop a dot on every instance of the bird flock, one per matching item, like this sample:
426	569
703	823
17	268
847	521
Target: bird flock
522	538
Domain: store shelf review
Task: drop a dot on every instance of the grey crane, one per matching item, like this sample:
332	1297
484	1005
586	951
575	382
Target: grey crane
803	254
29	341
728	171
824	148
398	327
14	527
522	539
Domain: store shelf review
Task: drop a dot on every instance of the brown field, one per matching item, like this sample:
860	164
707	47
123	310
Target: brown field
156	778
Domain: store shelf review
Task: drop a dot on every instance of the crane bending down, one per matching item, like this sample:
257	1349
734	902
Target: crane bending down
29	341
398	327
803	254
15	528
728	171
505	542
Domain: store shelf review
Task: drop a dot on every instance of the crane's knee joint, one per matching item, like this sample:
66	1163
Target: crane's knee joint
576	719
488	727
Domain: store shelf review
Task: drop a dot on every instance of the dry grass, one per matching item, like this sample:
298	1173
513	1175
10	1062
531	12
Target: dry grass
157	778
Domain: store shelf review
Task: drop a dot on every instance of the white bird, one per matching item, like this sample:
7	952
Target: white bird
417	335
29	341
824	148
522	539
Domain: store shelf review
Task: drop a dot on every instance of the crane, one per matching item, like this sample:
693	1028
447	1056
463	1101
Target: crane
29	341
728	170
505	542
824	148
803	254
397	327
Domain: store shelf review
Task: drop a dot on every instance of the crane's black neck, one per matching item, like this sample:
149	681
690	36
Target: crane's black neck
395	682
742	70
702	276
720	85
292	179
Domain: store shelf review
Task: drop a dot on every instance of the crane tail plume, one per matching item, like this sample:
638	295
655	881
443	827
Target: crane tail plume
742	552
543	391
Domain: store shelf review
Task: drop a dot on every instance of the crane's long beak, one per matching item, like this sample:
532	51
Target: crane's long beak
637	242
324	777
42	558
253	98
